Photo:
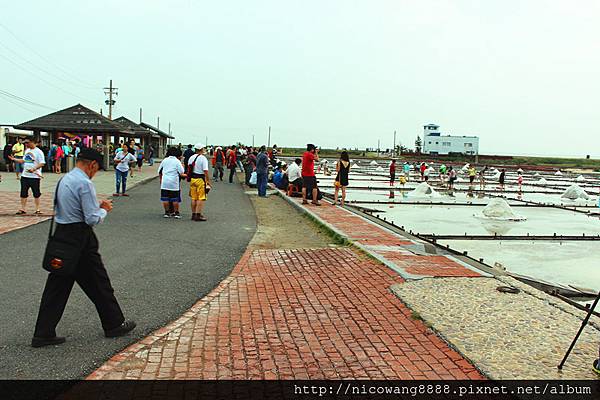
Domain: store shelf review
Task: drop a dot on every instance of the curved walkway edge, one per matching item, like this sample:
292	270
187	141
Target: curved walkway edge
325	313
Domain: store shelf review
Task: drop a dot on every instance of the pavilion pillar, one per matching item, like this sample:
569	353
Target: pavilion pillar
106	142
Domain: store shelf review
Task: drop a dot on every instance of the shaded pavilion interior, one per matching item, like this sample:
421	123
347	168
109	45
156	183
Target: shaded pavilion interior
90	127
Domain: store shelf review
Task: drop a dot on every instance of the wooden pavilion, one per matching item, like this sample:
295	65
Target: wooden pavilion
159	138
142	135
76	122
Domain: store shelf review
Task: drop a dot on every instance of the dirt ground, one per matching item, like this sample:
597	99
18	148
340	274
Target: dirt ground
281	226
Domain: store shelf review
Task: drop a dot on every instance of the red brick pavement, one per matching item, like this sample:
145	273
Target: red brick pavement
387	244
295	314
10	204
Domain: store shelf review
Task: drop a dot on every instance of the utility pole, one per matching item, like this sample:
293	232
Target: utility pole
206	142
378	144
252	140
394	150
157	122
269	141
140	115
110	91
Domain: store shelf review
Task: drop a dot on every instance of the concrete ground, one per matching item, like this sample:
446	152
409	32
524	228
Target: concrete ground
158	267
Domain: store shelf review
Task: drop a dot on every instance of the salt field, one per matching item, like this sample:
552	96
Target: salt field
547	203
567	262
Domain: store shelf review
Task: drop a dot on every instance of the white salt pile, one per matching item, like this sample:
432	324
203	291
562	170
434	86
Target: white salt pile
379	169
558	173
580	178
542	181
520	170
496	175
374	163
536	174
499	209
354	166
575	192
423	190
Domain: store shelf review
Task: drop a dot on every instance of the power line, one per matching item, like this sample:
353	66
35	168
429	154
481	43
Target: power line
40	68
66	72
45	80
17	104
22	99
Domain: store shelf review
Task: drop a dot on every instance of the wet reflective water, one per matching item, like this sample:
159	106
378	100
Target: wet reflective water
573	263
457	220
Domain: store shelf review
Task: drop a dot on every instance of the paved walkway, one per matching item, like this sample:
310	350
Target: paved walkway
10	202
396	251
302	314
295	314
158	267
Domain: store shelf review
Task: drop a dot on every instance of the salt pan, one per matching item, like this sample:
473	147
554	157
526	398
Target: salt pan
575	192
423	190
499	209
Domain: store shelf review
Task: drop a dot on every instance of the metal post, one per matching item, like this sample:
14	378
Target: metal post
394	149
269	141
583	324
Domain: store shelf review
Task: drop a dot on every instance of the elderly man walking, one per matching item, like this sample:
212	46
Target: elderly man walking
76	212
199	182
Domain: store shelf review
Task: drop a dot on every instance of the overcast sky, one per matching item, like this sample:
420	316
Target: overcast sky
521	74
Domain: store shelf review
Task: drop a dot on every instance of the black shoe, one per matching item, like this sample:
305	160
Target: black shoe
41	342
120	330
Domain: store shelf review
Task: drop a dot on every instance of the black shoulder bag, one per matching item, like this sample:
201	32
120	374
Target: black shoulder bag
62	254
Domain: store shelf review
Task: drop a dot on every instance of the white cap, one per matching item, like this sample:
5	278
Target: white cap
198	146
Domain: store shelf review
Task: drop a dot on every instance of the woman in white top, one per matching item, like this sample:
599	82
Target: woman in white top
122	160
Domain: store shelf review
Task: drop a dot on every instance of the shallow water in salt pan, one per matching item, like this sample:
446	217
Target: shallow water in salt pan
574	263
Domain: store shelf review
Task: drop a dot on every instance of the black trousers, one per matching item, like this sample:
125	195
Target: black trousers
90	275
231	173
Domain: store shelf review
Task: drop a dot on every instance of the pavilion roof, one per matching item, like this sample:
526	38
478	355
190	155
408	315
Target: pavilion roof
74	119
131	126
156	130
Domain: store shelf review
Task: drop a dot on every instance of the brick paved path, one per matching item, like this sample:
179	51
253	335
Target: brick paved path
10	204
295	314
392	248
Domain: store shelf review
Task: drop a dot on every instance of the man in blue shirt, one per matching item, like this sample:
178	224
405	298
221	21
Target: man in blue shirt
77	211
262	171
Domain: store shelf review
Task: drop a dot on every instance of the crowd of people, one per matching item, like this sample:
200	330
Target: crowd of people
448	175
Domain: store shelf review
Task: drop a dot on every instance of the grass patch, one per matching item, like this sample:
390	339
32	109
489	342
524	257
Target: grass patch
322	228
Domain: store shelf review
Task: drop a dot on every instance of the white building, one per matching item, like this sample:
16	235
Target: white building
436	143
9	134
